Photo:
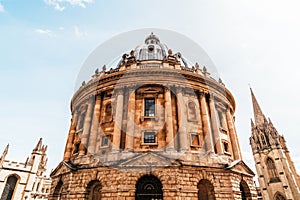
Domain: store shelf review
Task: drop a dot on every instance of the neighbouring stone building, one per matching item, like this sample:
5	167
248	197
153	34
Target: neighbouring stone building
154	127
25	181
276	172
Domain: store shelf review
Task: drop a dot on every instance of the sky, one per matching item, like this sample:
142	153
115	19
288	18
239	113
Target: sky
44	43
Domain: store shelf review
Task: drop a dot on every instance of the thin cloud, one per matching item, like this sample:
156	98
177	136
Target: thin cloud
1	8
45	32
59	5
79	33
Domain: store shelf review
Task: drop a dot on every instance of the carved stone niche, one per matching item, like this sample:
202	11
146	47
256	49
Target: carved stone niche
107	112
221	110
192	111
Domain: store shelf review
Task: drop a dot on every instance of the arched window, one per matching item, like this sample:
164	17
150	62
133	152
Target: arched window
37	187
108	113
94	190
81	121
76	147
263	139
245	191
148	187
58	190
192	114
279	196
9	187
205	190
272	171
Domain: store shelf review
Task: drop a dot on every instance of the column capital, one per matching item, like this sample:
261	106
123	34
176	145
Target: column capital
74	114
98	96
203	92
131	88
167	89
119	91
179	89
211	96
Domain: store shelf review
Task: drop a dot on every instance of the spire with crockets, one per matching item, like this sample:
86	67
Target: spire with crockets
259	117
264	134
2	158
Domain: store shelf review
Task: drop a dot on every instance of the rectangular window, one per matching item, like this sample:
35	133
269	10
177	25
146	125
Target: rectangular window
104	141
149	137
226	147
221	119
150	107
195	140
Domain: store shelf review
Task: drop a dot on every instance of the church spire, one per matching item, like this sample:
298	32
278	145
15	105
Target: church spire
259	117
4	154
38	146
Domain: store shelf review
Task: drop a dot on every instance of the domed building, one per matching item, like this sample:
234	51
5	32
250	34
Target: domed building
153	127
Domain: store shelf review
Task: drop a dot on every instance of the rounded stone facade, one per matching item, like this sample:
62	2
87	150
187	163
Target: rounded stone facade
152	128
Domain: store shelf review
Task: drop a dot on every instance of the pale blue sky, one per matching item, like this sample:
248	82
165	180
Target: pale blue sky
44	43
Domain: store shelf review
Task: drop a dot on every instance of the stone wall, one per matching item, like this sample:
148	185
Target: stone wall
178	182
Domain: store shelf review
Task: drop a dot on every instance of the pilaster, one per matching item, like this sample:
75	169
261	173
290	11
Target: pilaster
118	119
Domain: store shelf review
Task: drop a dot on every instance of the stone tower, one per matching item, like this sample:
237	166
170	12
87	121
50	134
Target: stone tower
276	172
152	127
25	180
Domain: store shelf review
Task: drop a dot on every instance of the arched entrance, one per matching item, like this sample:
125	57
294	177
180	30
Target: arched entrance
9	188
57	190
245	191
279	196
148	187
205	190
94	190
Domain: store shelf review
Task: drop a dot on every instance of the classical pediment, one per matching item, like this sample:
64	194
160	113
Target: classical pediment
240	167
62	168
149	159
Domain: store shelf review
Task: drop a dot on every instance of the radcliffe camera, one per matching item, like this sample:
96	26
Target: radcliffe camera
151	118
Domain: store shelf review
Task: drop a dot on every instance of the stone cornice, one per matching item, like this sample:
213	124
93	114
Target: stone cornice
134	77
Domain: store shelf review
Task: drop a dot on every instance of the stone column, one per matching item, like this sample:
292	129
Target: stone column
200	124
168	120
69	145
233	136
215	125
95	125
86	127
130	120
208	140
118	120
182	121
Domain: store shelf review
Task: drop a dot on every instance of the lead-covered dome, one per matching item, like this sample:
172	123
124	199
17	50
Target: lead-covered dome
152	49
110	53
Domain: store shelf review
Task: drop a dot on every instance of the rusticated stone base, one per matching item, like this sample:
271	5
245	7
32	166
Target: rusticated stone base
178	182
